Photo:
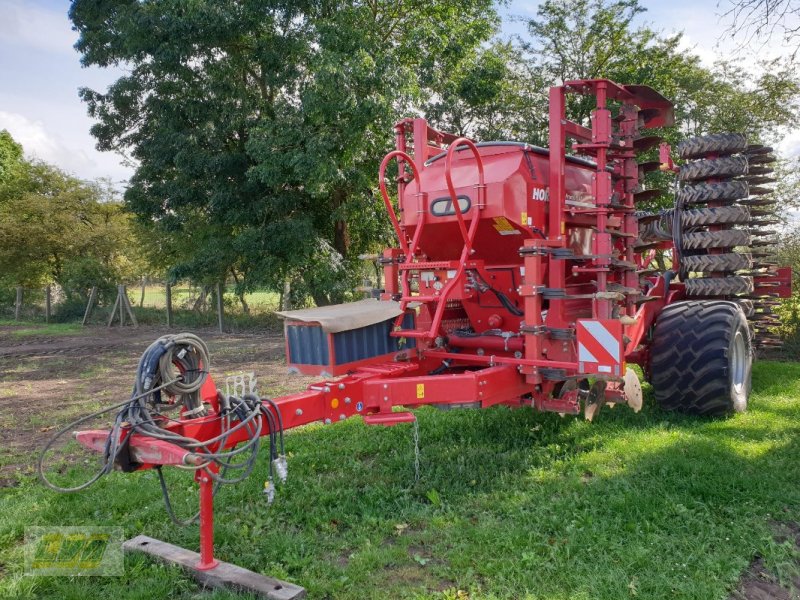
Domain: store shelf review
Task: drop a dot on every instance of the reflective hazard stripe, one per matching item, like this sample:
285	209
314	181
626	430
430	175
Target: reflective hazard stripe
597	344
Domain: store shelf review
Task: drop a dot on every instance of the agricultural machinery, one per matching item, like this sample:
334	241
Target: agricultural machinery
522	276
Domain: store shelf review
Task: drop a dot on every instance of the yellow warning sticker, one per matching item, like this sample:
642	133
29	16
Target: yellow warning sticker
523	218
420	391
504	226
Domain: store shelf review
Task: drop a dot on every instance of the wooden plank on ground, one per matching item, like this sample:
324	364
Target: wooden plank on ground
225	575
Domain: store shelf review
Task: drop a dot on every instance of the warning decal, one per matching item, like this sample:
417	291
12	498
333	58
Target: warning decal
600	346
504	226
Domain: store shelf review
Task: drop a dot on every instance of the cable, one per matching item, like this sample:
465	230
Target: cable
143	414
68	428
480	283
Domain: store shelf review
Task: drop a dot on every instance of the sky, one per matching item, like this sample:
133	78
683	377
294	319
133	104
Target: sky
41	74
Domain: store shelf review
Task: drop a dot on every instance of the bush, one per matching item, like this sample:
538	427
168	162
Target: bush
79	275
70	310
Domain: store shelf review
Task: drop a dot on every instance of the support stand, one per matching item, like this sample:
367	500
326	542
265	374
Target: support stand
204	567
207	560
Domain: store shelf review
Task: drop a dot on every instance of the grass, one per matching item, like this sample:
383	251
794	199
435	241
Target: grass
32	328
510	504
183	296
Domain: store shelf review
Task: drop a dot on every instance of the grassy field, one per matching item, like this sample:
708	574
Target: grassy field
184	296
510	504
36	329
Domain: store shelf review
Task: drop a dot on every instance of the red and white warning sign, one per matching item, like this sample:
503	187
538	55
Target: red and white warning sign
600	348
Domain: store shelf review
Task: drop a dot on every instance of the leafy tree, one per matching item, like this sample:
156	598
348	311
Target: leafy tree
56	228
493	94
760	20
258	125
10	157
588	39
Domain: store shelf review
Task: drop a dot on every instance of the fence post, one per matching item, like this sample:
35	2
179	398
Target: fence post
168	299
219	305
18	306
47	303
144	284
129	308
90	306
121	293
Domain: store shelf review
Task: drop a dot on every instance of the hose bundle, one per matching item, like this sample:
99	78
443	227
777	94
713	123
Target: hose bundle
144	414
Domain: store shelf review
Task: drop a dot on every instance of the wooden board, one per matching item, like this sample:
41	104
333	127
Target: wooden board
225	575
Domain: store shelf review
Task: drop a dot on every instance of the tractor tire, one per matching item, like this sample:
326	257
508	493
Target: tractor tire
747	307
729	166
701	358
722	286
724	191
727	238
724	215
716	263
716	143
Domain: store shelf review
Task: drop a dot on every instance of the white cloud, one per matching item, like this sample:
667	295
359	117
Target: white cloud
790	145
32	27
39	143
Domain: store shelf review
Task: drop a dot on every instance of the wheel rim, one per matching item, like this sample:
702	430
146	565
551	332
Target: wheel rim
739	363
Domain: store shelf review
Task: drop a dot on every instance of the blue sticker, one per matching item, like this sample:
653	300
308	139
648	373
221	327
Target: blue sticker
359	406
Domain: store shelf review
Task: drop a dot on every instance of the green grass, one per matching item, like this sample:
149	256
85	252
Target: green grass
32	328
155	297
510	504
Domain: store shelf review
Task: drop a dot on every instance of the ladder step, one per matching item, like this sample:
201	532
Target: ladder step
410	333
388	419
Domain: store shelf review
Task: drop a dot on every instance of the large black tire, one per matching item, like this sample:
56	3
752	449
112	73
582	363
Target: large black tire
701	358
728	166
722	286
716	143
727	238
723	191
723	215
716	263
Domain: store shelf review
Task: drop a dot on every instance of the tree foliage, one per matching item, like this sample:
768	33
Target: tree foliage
762	20
258	125
54	227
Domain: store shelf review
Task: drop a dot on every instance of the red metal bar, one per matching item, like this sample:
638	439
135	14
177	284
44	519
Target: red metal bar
501	360
402	157
556	228
207	560
468	236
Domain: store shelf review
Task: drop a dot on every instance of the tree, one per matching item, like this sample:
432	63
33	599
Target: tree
258	125
587	39
10	157
753	20
56	228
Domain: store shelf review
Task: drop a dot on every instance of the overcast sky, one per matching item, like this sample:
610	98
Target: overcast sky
41	74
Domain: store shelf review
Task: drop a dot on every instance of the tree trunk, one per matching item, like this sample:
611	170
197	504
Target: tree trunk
320	299
200	302
240	293
286	295
341	236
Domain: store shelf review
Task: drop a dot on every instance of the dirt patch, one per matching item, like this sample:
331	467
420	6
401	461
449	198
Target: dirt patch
47	382
758	583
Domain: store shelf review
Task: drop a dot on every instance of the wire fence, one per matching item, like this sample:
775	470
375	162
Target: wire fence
152	302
